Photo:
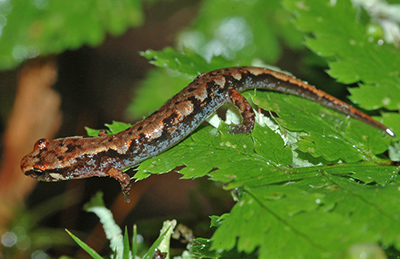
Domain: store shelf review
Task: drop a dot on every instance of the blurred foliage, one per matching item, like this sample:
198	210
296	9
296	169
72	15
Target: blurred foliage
241	31
26	237
42	27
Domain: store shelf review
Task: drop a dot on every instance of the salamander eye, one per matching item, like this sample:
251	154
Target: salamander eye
41	144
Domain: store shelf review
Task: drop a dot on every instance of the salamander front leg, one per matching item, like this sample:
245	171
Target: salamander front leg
246	111
123	179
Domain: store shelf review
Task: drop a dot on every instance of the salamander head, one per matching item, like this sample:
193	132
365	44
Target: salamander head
50	161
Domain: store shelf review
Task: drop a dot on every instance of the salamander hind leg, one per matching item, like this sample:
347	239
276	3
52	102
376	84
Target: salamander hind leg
123	179
246	111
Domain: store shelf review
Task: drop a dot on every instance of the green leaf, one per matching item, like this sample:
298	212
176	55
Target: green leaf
394	152
49	27
92	132
111	229
185	62
84	246
169	226
354	56
125	253
166	233
367	250
217	220
299	218
117	126
202	248
113	128
352	139
134	242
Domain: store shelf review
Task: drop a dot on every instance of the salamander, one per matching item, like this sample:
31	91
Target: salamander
107	155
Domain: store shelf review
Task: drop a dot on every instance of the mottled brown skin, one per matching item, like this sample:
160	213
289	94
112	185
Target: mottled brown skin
107	155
